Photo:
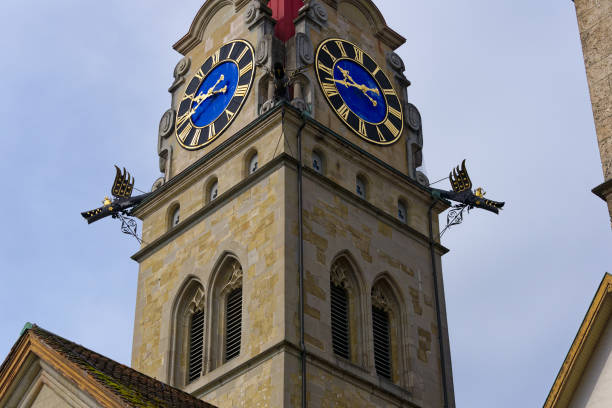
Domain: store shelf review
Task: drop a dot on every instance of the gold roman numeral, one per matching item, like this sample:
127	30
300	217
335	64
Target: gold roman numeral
344	111
196	137
211	131
389	91
325	69
199	74
375	71
341	46
229	54
242	54
394	131
229	114
380	135
395	113
183	135
329	88
241	90
362	127
216	56
246	68
324	48
359	55
182	119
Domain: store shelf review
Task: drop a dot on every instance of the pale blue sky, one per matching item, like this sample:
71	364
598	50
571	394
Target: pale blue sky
501	83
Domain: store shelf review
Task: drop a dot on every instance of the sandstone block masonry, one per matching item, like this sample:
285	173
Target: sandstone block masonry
595	25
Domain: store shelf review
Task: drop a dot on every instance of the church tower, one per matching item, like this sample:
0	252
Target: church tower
287	256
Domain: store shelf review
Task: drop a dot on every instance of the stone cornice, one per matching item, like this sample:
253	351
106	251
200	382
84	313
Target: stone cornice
603	190
195	34
265	170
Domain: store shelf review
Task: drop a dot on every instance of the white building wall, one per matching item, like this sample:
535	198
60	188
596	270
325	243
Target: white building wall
595	388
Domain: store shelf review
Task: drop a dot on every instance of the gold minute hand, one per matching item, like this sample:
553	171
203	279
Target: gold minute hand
361	87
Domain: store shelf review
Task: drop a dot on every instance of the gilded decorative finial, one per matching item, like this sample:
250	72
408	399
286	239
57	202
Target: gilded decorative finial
106	201
480	192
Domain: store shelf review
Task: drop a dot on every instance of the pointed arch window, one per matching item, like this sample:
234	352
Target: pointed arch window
381	330
233	313
188	340
226	320
196	345
346	317
340	312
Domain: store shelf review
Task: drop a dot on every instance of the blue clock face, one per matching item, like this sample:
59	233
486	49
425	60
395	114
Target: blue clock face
215	95
359	92
220	84
369	105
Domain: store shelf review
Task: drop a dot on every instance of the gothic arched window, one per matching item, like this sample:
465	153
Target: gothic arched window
386	331
227	312
345	307
187	360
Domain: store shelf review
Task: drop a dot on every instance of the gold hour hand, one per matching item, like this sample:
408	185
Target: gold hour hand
347	77
211	89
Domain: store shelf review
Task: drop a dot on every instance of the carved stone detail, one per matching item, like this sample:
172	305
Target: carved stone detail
157	184
315	11
257	10
380	300
181	69
304	50
166	124
267	106
395	62
413	117
422	179
338	275
235	280
196	303
261	51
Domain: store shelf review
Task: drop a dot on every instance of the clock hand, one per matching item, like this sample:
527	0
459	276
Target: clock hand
361	87
204	96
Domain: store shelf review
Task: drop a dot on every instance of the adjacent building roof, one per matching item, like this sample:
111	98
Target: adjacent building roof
107	381
587	338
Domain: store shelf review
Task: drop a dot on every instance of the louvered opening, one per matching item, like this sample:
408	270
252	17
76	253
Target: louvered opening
234	324
382	342
340	321
196	345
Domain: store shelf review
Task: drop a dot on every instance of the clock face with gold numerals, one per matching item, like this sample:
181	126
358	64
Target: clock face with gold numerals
215	95
359	91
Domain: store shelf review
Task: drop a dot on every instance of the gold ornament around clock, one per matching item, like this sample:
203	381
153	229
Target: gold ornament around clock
359	92
215	95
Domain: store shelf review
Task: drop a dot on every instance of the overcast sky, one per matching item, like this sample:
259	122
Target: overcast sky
501	83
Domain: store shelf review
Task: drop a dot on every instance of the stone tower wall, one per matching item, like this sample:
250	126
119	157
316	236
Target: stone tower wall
595	25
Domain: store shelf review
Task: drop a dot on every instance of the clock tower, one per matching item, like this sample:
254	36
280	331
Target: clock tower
290	252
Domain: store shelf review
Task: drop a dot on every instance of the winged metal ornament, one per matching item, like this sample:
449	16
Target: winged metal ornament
462	192
123	201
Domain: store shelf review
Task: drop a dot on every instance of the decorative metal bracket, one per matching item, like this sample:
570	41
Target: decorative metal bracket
455	216
128	225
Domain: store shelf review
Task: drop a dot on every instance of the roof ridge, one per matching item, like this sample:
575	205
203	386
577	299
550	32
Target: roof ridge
132	386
